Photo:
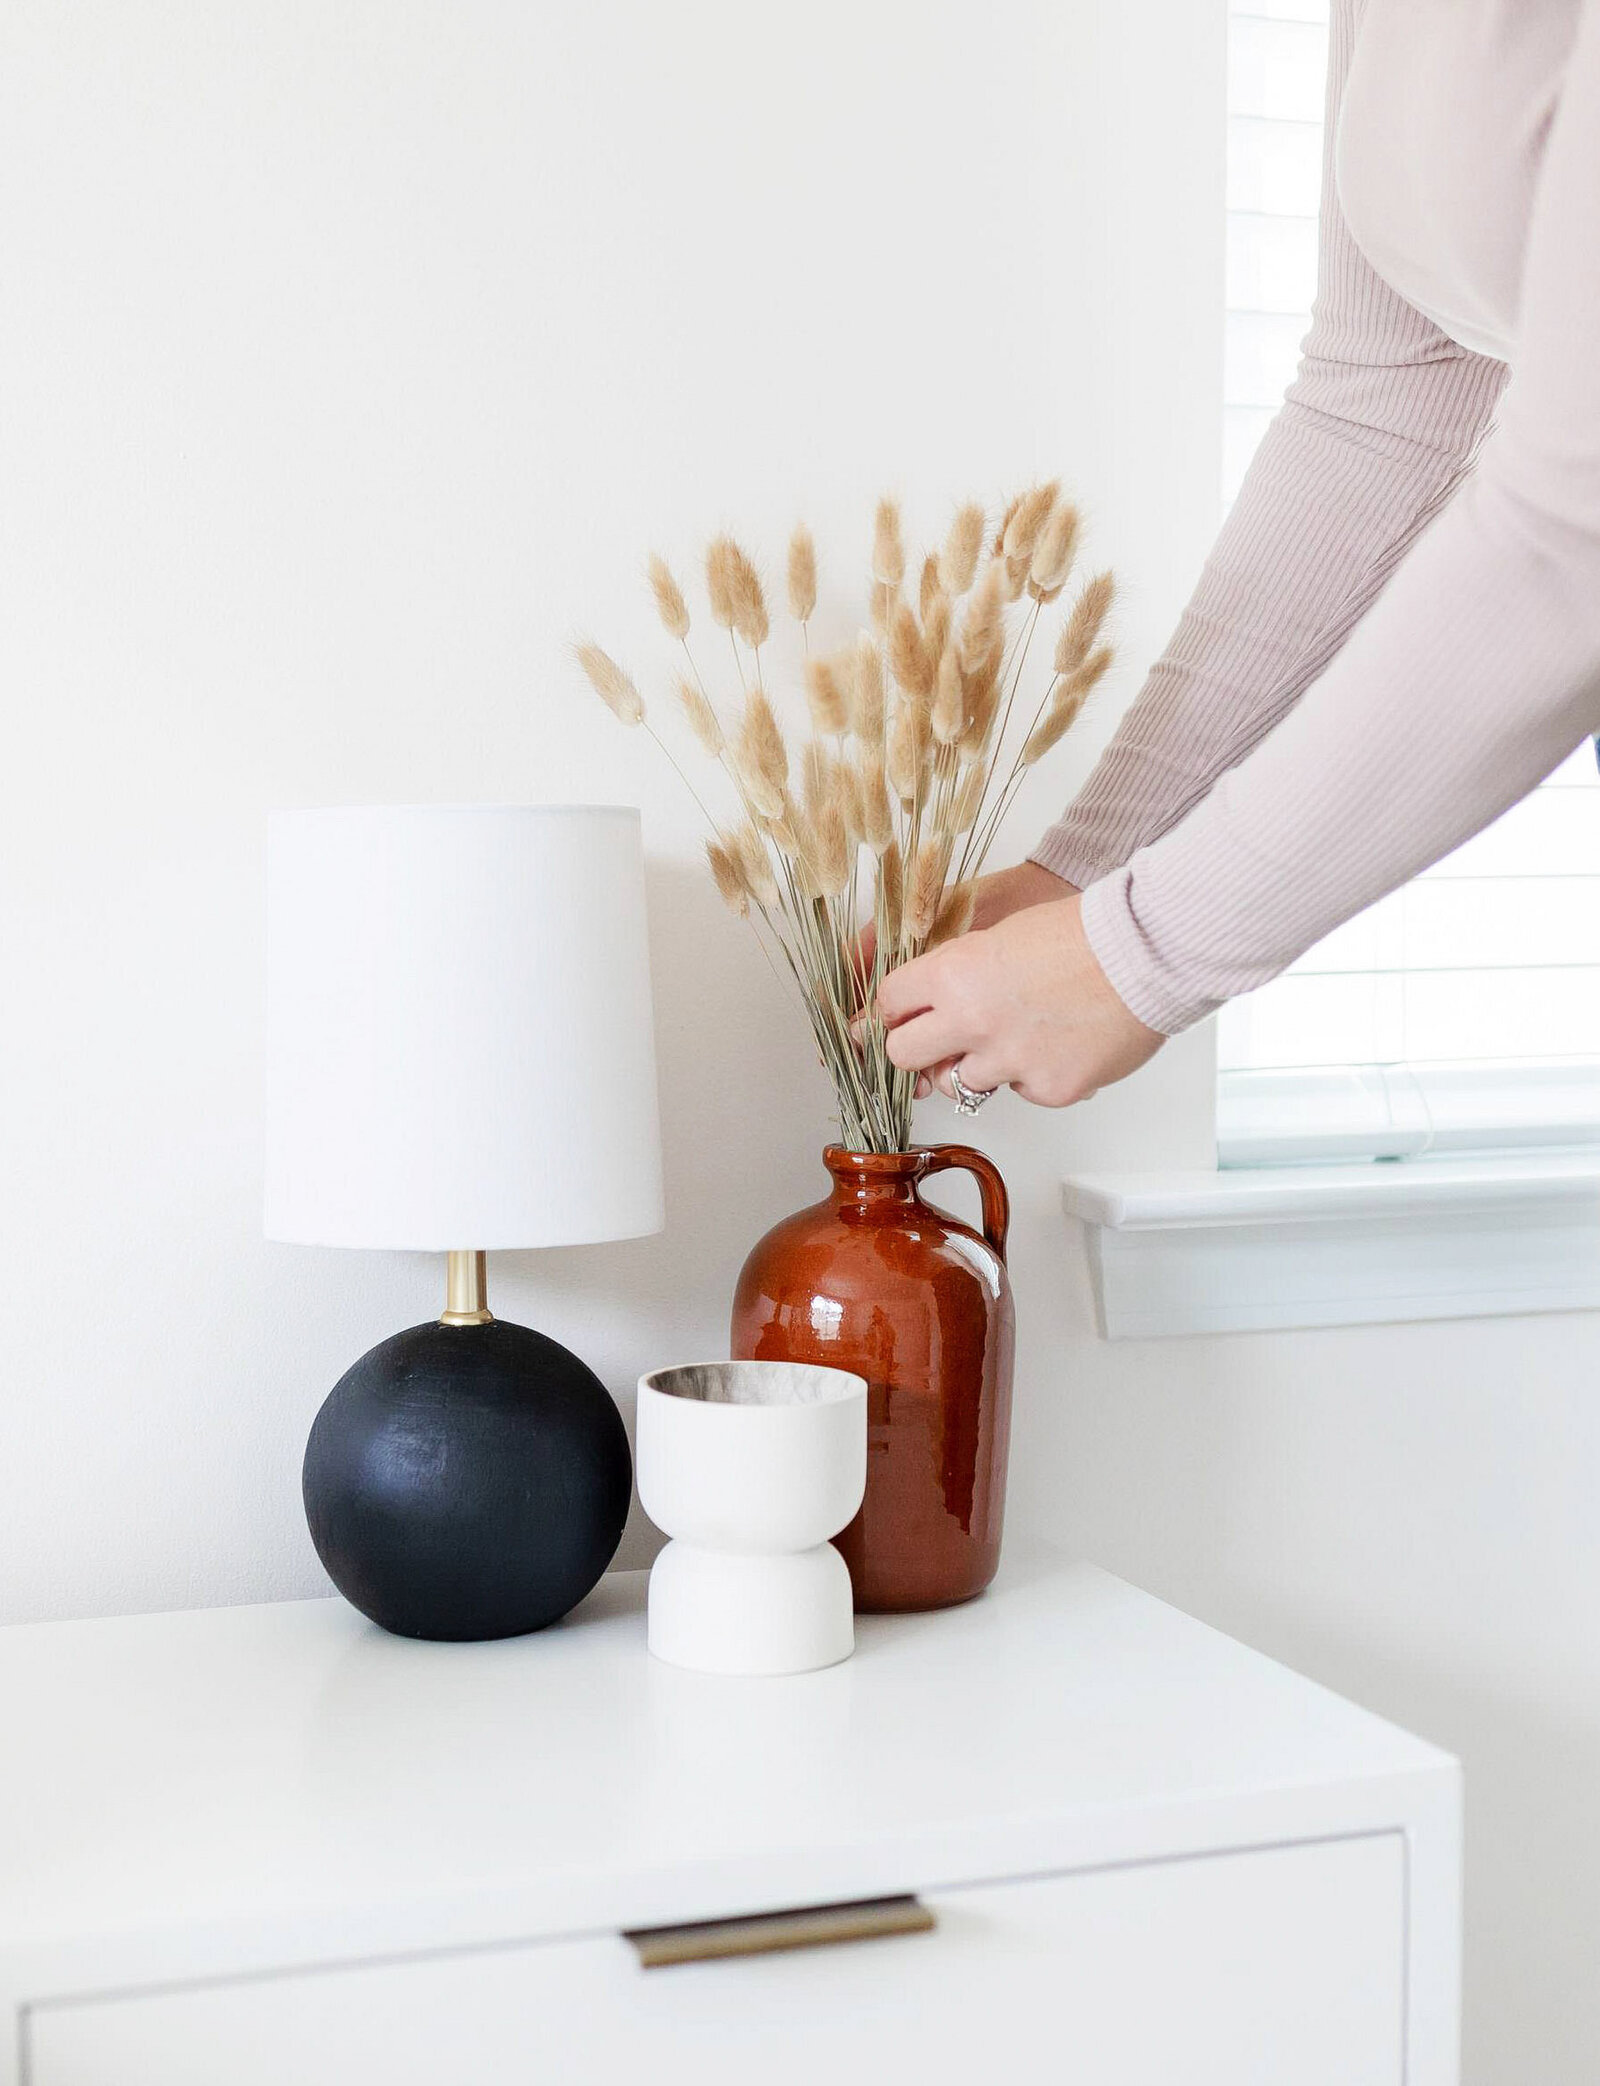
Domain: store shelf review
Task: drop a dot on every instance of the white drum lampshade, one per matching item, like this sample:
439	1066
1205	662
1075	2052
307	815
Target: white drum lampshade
460	1057
459	1042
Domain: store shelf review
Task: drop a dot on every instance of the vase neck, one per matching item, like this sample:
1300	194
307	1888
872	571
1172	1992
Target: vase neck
874	1177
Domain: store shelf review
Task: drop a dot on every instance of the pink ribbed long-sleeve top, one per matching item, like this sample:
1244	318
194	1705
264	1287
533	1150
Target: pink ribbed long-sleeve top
1397	634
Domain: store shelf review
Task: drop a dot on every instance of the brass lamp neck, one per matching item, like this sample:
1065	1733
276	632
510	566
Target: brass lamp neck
466	1290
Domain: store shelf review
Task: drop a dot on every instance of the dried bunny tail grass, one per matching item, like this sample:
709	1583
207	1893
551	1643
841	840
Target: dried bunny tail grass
1067	705
728	877
1054	552
958	561
755	865
954	915
892	888
867	692
888	546
1081	683
760	797
883	598
826	695
910	746
845	787
903	755
786	827
950	701
702	719
997	549
816	771
614	688
830	863
983	703
983	626
761	744
802	574
877	813
1051	728
721	559
670	604
927	889
1082	627
908	660
749	601
936	628
929	587
962	813
1028	519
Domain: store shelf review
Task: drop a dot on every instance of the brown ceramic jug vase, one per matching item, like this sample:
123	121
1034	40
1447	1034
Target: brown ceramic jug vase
875	1280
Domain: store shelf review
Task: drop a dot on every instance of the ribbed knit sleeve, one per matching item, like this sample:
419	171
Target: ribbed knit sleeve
1374	437
1475	672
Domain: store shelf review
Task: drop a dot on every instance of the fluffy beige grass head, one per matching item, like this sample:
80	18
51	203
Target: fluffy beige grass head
701	717
949	718
1053	554
614	688
721	556
670	604
867	692
727	876
1027	520
926	891
983	626
958	561
908	658
1083	626
877	813
962	815
755	865
749	600
954	915
888	545
802	574
826	695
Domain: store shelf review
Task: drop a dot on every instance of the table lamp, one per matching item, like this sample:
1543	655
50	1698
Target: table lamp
460	1058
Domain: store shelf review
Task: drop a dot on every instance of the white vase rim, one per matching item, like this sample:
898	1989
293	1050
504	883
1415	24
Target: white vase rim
823	1385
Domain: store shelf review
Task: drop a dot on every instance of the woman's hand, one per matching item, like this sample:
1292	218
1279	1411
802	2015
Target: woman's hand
1022	1003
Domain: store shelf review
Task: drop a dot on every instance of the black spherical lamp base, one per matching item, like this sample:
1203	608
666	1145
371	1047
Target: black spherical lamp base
467	1481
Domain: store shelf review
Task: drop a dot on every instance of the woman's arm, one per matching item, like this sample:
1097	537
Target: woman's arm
1374	436
1473	675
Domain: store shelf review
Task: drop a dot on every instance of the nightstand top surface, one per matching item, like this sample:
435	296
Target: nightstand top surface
199	1792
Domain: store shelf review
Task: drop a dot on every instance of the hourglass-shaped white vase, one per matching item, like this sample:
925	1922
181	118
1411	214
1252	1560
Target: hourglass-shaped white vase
750	1467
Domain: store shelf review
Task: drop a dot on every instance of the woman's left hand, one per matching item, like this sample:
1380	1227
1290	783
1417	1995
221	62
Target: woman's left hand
1023	1004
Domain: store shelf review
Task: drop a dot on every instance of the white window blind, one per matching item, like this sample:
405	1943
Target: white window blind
1462	1012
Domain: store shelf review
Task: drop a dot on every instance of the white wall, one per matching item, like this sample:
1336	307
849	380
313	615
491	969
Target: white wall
358	351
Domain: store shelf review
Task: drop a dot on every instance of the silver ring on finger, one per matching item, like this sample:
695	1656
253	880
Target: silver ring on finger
968	1099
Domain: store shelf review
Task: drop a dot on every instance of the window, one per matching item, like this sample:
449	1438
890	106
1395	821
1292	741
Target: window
1463	1012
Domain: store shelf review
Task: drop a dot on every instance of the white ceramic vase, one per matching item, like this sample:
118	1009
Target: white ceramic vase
750	1467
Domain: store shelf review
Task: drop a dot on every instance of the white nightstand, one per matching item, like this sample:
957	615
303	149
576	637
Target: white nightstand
254	1845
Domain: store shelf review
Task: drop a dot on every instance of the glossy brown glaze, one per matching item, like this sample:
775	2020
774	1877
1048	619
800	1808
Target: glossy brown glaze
874	1279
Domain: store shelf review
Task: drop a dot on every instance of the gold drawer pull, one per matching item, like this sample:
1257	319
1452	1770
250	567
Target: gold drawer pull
765	1933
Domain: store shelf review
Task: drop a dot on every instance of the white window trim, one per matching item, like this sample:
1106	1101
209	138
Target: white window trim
1252	1250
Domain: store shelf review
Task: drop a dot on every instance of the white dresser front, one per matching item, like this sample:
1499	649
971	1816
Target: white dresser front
271	1847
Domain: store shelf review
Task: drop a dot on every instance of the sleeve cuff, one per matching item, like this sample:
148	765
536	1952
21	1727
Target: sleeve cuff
1123	951
1064	854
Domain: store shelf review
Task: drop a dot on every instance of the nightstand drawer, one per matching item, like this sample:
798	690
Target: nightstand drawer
1232	1970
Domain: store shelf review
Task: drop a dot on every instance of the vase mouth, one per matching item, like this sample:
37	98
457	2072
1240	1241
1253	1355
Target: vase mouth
841	1161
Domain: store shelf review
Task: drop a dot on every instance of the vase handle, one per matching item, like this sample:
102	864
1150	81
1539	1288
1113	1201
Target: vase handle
943	1158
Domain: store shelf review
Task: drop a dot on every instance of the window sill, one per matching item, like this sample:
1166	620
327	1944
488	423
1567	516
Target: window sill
1373	1244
